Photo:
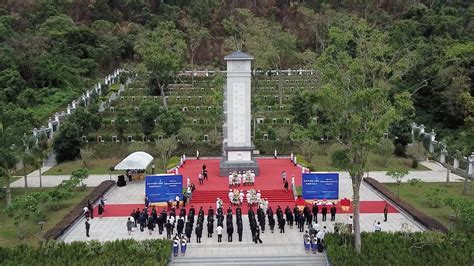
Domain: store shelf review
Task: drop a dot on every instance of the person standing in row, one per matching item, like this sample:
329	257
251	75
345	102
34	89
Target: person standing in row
257	236
198	233
315	211
90	209
100	210
333	212
88	227
240	229
219	233
324	211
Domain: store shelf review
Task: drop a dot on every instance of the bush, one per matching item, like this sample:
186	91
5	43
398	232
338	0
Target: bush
414	163
425	220
119	252
401	249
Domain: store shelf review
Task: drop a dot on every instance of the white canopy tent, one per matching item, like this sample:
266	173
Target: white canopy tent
135	161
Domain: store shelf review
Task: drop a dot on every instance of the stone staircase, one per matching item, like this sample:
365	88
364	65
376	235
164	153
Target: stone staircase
310	259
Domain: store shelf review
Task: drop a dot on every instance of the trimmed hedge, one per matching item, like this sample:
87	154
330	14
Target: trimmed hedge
119	252
78	211
424	219
427	248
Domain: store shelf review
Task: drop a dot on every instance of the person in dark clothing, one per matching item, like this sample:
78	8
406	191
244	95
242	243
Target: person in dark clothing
315	212
160	221
100	210
296	211
324	211
168	227
154	215
188	230
289	216
281	224
198	233
306	213
286	186
142	220
180	226
240	229
279	213
301	220
230	231
88	227
150	224
257	236
271	223
210	227
137	217
333	212
210	213
91	209
385	212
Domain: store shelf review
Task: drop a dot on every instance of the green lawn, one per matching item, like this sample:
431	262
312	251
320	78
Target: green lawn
375	163
8	235
416	196
101	166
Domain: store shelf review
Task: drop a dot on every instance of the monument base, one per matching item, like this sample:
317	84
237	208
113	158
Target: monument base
227	167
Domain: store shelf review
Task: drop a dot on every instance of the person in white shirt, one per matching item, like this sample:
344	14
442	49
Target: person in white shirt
188	181
230	180
218	203
197	154
294	161
266	205
291	157
231	195
252	177
316	227
377	227
184	158
320	235
219	233
248	197
241	179
275	153
181	162
293	180
258	195
241	197
177	171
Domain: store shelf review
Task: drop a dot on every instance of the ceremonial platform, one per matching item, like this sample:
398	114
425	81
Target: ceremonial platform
269	183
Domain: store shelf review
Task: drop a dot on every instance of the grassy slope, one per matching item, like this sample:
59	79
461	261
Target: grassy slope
417	197
8	235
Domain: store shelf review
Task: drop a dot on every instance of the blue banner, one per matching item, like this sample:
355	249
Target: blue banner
320	186
159	188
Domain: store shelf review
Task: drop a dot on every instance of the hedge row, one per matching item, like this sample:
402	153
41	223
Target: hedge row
421	248
424	219
77	211
119	252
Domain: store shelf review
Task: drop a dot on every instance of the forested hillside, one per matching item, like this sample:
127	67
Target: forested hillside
51	50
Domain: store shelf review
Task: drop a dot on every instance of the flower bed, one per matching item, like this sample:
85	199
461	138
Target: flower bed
77	211
424	219
119	252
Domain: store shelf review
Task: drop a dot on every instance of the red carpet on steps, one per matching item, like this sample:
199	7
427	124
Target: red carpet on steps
120	210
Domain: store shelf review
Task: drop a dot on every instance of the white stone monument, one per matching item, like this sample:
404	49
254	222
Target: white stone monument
237	144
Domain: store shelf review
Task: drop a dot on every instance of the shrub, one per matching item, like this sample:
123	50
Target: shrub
119	252
434	196
401	249
414	163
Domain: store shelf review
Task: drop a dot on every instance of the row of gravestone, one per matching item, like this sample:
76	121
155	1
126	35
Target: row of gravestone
130	138
55	121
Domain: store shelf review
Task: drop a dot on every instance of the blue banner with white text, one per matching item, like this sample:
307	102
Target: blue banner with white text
159	188
320	186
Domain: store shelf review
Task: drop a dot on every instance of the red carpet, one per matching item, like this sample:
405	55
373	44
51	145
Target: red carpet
268	182
269	178
120	210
